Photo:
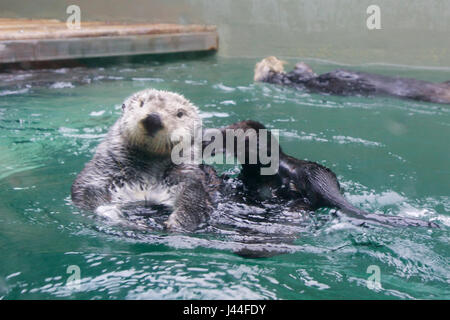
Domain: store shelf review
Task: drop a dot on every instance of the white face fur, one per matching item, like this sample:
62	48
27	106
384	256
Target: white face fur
266	65
178	115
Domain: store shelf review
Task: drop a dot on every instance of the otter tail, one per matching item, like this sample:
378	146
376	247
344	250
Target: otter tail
362	217
326	185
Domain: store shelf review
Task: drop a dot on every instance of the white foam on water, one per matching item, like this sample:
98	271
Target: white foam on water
302	136
67	130
148	79
384	199
228	102
338	225
223	87
73	133
443	219
404	208
347	139
310	281
62	85
12	275
195	83
407	210
11	92
97	113
205	115
61	70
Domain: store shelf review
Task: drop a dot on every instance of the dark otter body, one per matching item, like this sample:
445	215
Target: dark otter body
307	185
346	82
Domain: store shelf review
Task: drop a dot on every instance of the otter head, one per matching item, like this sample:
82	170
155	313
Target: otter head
155	121
266	66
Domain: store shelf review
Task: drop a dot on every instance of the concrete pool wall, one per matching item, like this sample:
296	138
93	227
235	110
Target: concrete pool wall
413	32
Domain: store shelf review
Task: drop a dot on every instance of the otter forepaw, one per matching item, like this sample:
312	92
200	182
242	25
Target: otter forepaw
180	221
172	223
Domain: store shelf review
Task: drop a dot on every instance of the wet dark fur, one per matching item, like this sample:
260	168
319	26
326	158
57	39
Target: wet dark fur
306	185
347	82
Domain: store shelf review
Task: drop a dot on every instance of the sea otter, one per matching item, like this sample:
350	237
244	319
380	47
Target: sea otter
346	82
133	163
303	185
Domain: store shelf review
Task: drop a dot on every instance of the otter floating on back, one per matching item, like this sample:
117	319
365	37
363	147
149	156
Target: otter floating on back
305	185
346	82
133	163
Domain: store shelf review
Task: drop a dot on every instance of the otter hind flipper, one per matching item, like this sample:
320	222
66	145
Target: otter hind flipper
325	186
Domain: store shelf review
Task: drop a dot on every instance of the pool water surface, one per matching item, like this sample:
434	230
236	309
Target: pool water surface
391	157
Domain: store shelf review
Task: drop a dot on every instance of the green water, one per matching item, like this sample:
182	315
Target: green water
391	156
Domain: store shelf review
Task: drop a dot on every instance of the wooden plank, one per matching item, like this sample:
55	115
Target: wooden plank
37	25
15	21
43	40
87	47
50	31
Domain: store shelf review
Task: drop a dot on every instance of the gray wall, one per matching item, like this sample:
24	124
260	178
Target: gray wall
414	32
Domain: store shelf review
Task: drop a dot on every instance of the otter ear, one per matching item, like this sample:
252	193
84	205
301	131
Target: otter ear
123	107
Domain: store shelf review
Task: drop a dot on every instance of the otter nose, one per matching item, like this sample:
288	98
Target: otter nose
152	123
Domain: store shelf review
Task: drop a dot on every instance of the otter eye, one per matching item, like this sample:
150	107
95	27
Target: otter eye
142	104
123	106
180	113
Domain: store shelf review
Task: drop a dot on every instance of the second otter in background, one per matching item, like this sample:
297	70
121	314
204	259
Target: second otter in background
346	82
